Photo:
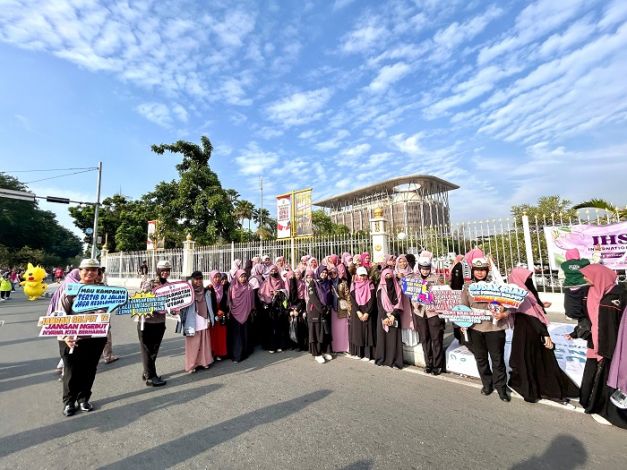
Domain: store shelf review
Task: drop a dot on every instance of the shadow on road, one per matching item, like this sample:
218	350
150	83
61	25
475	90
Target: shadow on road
185	447
564	452
360	465
103	421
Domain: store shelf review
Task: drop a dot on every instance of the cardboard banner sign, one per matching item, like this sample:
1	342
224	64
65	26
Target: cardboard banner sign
465	316
142	305
508	295
96	325
177	295
95	297
417	289
444	300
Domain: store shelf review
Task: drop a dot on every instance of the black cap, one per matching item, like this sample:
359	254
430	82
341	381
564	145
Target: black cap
196	274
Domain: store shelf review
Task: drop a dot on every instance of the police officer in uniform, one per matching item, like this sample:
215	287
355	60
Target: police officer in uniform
153	328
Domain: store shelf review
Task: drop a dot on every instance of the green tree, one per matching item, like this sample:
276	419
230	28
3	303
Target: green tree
244	210
324	226
196	203
548	208
602	204
26	230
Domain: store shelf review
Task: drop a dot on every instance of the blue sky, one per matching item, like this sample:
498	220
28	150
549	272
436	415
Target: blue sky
509	100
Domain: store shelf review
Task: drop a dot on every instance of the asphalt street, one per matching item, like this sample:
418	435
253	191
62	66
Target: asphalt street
272	411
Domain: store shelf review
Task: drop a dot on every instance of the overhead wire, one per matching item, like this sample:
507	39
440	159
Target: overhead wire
60	176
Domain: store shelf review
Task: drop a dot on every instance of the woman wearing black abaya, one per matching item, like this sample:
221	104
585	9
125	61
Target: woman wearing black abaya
296	306
319	316
389	349
363	316
606	304
535	372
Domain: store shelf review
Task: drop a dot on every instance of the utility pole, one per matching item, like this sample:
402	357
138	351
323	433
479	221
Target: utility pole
95	235
261	216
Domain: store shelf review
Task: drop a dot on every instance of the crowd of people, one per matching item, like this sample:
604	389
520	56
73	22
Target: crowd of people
348	305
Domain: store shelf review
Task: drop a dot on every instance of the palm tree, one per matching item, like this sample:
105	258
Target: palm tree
244	210
603	205
261	216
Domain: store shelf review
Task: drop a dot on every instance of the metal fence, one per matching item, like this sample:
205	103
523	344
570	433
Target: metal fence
503	239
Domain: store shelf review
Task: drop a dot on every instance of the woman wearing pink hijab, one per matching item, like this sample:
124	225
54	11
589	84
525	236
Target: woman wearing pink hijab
606	306
535	372
365	260
241	297
389	349
274	335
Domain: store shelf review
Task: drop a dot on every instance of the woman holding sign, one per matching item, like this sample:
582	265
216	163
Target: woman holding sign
488	337
429	325
80	354
150	331
389	349
196	320
535	372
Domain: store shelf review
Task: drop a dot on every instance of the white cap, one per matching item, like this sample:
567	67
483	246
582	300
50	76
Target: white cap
362	271
164	264
480	263
89	263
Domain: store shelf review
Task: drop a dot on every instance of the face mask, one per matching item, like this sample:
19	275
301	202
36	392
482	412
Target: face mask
275	274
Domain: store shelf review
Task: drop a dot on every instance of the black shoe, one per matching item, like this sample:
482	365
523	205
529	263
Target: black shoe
69	410
85	406
428	369
156	382
436	371
486	391
504	396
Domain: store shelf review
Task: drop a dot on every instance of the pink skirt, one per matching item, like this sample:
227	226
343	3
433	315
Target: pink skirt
198	350
339	333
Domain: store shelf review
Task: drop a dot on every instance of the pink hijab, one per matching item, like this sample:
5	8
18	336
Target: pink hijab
406	271
300	284
362	290
218	288
530	305
385	300
270	285
603	280
241	295
363	260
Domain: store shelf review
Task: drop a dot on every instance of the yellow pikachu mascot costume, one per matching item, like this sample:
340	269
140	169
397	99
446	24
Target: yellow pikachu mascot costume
34	286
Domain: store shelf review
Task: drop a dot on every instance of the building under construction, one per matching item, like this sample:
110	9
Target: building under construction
410	204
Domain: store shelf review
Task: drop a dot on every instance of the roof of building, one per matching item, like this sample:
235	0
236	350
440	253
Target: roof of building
428	185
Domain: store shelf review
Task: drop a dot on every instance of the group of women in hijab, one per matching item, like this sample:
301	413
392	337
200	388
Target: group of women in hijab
347	305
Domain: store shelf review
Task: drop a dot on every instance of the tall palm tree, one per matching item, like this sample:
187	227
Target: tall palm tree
604	205
244	211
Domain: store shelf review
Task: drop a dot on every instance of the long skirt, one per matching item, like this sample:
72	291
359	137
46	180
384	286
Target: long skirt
339	333
389	349
535	372
595	393
198	350
219	340
319	338
239	339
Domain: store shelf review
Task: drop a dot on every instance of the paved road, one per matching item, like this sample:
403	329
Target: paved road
272	411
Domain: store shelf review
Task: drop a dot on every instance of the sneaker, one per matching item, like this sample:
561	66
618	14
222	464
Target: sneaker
486	391
365	359
279	350
271	352
69	410
319	359
111	359
328	357
503	395
156	382
85	406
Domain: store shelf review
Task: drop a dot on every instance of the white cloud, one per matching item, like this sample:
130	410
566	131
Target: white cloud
356	151
389	75
299	108
156	112
333	142
254	161
369	34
